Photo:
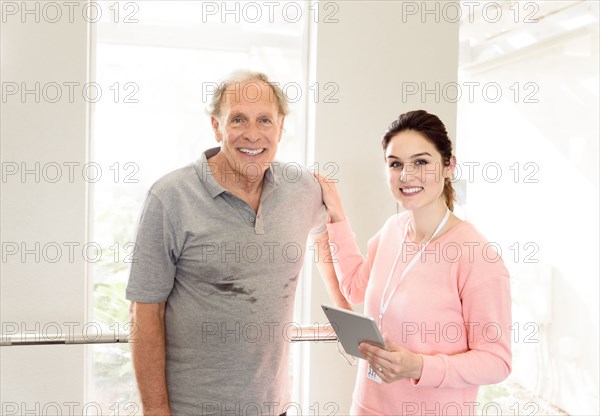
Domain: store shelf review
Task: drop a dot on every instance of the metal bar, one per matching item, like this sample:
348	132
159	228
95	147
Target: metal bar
313	333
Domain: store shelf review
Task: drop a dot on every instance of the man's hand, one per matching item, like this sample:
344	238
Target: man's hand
163	411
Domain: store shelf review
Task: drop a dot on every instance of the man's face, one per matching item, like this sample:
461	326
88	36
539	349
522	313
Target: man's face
249	128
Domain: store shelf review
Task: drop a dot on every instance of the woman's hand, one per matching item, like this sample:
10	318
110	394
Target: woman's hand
392	364
331	198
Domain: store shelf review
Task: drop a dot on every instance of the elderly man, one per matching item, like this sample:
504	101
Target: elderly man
220	246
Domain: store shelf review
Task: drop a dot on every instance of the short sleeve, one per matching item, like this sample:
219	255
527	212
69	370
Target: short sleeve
320	222
317	206
154	262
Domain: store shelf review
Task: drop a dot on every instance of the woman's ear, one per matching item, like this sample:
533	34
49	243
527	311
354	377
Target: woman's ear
451	167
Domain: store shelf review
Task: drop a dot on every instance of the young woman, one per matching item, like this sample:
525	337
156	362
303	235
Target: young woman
438	290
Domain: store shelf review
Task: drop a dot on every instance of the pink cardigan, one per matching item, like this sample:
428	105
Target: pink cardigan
453	308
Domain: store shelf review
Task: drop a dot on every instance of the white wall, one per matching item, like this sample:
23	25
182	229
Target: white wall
371	55
39	292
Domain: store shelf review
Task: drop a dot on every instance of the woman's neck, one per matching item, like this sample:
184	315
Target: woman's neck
424	221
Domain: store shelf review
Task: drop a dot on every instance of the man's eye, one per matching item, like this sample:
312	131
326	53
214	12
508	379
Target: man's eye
236	120
265	121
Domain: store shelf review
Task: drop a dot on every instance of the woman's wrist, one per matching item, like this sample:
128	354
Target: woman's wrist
336	216
417	370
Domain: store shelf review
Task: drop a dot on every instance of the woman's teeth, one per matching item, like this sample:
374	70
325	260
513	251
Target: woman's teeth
410	191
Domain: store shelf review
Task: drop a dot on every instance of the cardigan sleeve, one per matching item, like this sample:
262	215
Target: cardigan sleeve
486	309
351	267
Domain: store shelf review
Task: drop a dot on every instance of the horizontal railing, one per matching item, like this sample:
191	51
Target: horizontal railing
312	333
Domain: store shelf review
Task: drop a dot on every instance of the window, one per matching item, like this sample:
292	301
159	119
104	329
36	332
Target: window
159	61
528	129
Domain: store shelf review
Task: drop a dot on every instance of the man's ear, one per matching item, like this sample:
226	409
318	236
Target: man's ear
216	128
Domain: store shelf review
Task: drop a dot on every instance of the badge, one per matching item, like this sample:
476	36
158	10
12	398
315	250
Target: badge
371	374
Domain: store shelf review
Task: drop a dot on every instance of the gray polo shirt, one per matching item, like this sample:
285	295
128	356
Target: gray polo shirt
229	277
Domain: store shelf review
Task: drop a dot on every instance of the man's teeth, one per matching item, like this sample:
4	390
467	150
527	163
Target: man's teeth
411	190
252	152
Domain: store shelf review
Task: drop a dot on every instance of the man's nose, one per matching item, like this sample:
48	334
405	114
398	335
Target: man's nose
252	132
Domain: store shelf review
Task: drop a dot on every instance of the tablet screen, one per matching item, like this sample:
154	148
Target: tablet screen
353	328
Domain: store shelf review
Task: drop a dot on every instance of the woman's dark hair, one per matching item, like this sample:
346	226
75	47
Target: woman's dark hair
434	131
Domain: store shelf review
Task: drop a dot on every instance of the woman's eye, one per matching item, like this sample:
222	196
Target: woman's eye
420	162
394	165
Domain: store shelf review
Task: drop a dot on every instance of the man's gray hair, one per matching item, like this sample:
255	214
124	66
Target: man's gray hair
242	76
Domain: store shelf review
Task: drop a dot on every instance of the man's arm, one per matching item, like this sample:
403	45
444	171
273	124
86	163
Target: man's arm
147	341
327	272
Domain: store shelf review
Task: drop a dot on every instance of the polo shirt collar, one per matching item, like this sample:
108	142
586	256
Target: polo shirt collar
271	179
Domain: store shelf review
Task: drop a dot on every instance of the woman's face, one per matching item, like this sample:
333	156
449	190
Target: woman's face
415	170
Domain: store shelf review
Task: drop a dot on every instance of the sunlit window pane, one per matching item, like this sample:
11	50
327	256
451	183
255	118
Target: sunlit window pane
156	76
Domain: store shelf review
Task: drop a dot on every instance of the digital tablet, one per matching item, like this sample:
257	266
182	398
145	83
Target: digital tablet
353	328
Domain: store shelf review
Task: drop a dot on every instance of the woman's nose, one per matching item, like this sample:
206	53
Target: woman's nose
403	174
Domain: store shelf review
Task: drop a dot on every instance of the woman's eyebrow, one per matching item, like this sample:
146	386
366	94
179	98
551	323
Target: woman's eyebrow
420	154
412	157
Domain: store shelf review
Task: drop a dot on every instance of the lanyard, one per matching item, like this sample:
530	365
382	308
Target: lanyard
384	304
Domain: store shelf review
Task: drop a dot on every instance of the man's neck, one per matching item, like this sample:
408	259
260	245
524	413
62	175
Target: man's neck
249	188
